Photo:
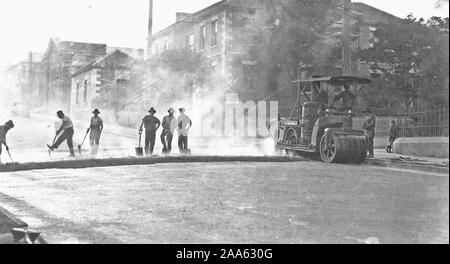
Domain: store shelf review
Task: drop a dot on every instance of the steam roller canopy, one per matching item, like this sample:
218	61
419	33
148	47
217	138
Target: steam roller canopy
343	148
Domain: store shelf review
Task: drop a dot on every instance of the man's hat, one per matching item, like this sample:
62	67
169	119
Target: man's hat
171	111
60	113
367	110
10	124
96	111
152	110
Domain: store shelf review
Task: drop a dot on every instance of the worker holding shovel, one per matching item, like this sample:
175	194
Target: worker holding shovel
96	129
67	127
151	125
3	131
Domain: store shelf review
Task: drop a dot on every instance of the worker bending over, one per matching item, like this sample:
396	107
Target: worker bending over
67	127
3	131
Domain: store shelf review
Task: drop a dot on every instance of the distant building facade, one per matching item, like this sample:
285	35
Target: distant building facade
60	60
110	77
25	85
215	32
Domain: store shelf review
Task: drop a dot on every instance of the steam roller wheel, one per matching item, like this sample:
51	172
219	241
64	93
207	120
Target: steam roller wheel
291	139
343	149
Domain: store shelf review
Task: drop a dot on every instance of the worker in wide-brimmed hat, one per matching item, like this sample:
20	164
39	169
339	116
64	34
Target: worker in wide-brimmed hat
96	129
369	130
3	131
151	125
169	125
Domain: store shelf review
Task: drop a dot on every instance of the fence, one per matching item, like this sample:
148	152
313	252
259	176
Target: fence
431	122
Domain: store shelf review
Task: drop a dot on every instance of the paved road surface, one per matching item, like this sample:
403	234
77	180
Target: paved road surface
305	202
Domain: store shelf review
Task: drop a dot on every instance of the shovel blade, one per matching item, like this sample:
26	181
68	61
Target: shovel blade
139	152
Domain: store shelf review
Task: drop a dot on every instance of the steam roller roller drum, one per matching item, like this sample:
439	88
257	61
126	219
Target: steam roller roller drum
343	149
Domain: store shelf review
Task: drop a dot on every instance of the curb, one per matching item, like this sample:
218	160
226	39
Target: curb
19	223
408	166
132	161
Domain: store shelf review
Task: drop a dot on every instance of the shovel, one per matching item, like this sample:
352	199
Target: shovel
79	146
12	162
140	150
49	150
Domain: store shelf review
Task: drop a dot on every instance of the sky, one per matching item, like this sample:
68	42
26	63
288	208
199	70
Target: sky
27	25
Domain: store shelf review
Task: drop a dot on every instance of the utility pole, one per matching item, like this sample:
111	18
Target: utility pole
346	39
28	96
150	29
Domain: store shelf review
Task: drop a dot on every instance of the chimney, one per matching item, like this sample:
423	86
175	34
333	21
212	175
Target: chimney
181	16
150	28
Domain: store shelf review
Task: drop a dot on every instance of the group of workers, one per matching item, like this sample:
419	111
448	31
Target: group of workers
183	124
95	129
150	123
170	123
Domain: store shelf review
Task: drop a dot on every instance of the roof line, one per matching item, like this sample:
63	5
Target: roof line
222	2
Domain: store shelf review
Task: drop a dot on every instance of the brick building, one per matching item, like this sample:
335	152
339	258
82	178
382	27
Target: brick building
215	32
60	60
113	76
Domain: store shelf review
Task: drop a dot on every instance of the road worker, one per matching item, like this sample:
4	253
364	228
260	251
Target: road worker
96	129
169	125
348	98
67	127
184	125
369	130
393	135
3	131
151	125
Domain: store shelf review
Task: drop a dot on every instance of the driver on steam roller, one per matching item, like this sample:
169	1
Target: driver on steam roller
348	99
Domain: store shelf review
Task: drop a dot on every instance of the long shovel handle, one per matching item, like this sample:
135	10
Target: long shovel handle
84	139
10	156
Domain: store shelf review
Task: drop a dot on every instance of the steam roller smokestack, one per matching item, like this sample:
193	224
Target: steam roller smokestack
150	28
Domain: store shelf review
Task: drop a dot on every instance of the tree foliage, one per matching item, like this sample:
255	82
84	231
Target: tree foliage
412	56
289	34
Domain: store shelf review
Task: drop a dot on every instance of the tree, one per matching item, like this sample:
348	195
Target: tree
290	34
177	74
410	55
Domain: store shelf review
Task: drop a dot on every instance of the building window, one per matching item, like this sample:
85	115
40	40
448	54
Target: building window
77	98
215	28
85	91
202	37
166	45
190	42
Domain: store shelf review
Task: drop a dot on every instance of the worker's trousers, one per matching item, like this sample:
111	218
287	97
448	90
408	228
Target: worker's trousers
166	140
183	144
369	140
94	140
67	135
150	139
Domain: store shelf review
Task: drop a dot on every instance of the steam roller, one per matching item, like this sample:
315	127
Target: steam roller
322	128
335	148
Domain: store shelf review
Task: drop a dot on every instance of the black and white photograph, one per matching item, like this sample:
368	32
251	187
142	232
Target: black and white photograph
232	122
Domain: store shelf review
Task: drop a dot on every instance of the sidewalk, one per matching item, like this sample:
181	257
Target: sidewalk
384	159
